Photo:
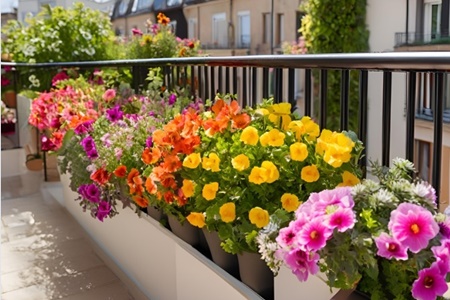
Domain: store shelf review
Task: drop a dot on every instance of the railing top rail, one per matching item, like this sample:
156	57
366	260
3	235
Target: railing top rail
394	61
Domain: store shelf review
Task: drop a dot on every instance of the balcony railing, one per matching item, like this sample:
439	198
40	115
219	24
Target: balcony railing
417	39
252	76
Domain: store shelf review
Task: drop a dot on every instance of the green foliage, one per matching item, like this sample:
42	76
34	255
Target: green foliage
329	27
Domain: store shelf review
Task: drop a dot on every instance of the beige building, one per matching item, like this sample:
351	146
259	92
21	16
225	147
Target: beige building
237	27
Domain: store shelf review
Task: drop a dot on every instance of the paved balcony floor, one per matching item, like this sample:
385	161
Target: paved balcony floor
45	254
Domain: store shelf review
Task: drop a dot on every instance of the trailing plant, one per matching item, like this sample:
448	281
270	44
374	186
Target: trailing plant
336	28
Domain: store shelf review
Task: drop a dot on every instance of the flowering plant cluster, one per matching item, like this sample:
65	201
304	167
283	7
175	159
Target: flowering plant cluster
252	164
386	237
295	47
160	41
55	112
115	150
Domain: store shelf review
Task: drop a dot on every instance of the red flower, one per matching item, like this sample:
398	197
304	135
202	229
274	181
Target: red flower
101	176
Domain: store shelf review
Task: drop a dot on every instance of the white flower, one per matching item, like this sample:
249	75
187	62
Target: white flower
426	191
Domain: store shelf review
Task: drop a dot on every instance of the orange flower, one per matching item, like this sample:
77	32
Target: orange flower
100	176
171	163
120	171
168	197
150	156
160	138
162	19
217	107
77	120
181	199
135	182
140	201
150	186
241	121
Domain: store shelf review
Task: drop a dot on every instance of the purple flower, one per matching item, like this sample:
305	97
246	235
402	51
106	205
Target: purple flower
442	255
302	263
430	284
172	99
90	192
314	235
82	190
390	248
105	139
342	219
89	147
413	226
136	32
84	127
47	144
132	117
444	228
149	142
114	114
118	153
103	210
55	122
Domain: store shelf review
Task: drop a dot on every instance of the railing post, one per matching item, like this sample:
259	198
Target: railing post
323	98
291	89
386	118
437	141
345	85
410	116
308	92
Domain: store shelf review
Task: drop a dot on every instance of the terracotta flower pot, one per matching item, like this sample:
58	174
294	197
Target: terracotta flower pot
10	99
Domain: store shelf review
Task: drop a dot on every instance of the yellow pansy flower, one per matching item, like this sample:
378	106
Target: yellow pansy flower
272	171
250	136
280	114
228	212
289	202
274	138
192	160
259	217
298	128
209	190
348	179
298	151
310	173
311	128
211	162
188	188
240	162
196	219
336	155
258	175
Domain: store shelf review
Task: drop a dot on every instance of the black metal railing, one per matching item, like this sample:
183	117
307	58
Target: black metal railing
417	39
257	77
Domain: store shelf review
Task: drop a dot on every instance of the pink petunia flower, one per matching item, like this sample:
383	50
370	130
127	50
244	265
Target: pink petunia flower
314	235
390	248
430	284
302	263
109	95
342	219
286	236
413	226
442	255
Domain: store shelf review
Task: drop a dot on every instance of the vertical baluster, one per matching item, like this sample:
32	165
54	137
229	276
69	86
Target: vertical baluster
291	89
308	93
244	87
345	85
220	80
201	94
227	80
193	92
362	119
207	82
254	85
265	83
386	122
212	77
323	98
438	126
278	85
410	116
235	85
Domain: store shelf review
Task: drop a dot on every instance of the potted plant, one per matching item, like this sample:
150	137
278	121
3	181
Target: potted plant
385	238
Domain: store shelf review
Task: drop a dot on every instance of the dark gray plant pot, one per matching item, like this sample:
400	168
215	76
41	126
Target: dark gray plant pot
185	231
256	274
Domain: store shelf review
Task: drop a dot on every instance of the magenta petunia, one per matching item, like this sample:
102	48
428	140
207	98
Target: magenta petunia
286	236
413	226
103	210
430	284
302	263
389	248
442	255
342	219
314	235
444	228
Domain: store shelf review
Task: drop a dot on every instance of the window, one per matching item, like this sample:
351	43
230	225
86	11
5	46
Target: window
220	32
425	93
173	26
192	29
423	160
144	4
280	29
243	38
267	25
432	26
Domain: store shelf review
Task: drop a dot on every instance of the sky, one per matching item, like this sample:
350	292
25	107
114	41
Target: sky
8	5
